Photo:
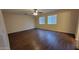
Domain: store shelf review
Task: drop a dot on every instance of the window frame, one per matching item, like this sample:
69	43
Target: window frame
44	20
52	23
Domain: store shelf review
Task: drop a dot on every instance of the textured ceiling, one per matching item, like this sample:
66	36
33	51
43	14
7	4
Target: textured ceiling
28	11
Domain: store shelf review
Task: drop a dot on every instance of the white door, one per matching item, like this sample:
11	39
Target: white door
4	42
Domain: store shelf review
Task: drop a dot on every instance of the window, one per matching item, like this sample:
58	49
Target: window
52	19
41	20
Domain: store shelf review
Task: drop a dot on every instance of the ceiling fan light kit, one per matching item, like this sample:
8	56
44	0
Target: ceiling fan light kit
35	13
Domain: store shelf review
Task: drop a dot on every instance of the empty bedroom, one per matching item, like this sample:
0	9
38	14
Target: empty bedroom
41	29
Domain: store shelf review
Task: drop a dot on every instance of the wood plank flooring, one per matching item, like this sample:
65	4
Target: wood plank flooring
37	39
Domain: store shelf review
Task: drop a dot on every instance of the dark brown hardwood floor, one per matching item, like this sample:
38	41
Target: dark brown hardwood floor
37	39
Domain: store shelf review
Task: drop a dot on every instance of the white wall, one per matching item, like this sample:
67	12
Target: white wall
16	22
4	42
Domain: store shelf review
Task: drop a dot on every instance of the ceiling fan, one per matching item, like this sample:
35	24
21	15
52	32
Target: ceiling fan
36	12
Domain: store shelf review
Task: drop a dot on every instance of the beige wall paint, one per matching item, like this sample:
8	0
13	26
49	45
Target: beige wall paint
16	22
4	41
66	22
77	35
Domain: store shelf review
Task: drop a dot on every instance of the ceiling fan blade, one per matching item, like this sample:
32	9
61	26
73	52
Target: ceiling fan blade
40	12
